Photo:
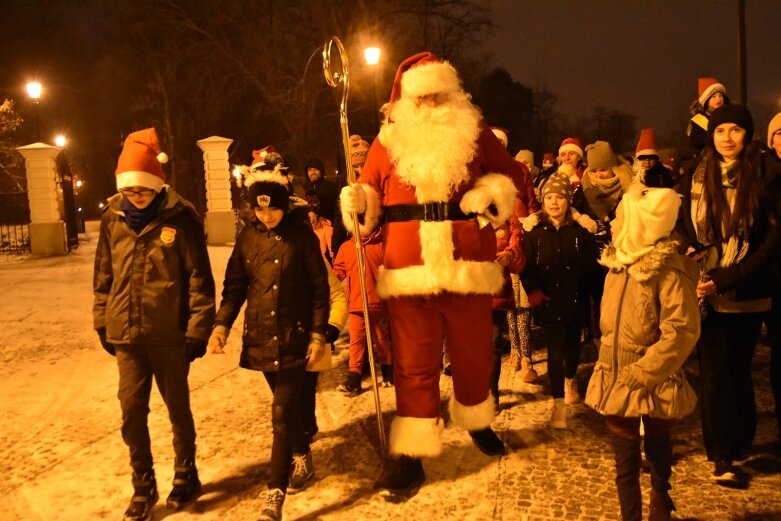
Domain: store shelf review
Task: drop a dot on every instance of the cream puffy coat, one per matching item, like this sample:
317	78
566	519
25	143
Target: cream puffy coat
650	323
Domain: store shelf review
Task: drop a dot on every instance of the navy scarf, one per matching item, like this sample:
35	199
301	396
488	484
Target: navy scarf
138	218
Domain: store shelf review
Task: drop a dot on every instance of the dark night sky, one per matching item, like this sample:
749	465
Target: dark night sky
640	57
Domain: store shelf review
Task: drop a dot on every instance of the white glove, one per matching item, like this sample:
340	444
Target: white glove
353	199
218	339
475	201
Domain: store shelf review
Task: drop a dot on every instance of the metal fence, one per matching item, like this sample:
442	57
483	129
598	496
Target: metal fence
14	223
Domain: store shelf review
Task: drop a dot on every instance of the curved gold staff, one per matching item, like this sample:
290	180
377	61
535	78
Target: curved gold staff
334	78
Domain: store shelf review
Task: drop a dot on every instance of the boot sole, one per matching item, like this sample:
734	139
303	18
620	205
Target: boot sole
402	495
292	490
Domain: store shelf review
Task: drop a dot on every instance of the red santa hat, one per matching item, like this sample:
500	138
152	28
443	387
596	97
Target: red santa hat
422	74
548	159
139	163
501	134
646	145
259	156
707	87
571	144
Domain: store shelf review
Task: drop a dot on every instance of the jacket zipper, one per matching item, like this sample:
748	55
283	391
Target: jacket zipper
614	367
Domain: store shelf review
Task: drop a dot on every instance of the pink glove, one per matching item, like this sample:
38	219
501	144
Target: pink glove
537	297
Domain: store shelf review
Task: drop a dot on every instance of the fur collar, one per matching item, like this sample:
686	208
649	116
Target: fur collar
649	265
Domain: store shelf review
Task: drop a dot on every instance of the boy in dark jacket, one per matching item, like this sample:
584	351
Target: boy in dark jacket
154	307
277	268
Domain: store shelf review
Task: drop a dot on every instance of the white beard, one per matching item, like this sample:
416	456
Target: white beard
432	147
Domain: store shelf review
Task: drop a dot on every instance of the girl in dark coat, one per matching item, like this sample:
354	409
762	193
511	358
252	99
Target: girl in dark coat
561	263
727	225
277	268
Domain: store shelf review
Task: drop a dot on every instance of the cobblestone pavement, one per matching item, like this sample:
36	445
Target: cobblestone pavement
63	457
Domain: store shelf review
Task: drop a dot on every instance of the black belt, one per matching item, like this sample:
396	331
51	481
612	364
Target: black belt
426	212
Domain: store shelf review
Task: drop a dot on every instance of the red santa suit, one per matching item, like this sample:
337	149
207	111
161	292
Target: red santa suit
439	270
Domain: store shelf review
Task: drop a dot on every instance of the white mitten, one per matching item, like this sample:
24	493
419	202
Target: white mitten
353	199
530	222
476	201
218	339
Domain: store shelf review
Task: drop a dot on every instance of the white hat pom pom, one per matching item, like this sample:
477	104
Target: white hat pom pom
162	157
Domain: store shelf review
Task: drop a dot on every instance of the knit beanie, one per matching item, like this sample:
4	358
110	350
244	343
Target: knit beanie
140	162
643	217
525	156
269	191
772	128
600	155
558	183
737	114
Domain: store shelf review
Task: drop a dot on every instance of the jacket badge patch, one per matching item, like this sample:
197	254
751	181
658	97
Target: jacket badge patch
500	233
264	201
168	235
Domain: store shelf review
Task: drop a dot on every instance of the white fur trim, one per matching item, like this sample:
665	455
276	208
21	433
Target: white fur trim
571	147
472	417
416	437
440	271
162	157
429	78
587	223
266	176
530	222
502	191
372	215
138	178
710	91
647	152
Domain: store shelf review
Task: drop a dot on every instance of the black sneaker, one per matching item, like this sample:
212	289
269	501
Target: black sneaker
401	479
301	472
387	375
351	385
144	497
726	475
272	510
186	485
488	442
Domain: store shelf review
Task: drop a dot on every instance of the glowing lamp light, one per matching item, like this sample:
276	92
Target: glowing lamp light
60	140
79	183
372	55
100	205
34	89
236	172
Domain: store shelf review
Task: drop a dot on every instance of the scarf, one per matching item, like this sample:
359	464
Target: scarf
733	249
603	194
138	218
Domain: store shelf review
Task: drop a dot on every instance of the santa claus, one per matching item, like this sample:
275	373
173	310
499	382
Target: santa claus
433	178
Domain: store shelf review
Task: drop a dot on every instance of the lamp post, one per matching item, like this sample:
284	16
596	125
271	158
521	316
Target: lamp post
34	90
372	56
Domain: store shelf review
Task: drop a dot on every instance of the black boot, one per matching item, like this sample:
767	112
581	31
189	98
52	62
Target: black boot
387	375
351	385
627	457
488	442
659	453
186	485
660	507
144	497
401	478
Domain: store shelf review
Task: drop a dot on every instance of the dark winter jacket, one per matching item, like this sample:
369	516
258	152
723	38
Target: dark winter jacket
282	276
753	277
154	287
562	263
698	131
326	191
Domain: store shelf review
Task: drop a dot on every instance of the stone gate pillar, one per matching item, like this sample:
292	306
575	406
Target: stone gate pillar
220	223
47	229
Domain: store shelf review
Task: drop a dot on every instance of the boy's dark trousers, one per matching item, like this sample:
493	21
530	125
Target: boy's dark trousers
562	340
286	422
169	367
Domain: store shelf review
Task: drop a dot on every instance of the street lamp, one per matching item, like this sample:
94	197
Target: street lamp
34	90
60	141
372	56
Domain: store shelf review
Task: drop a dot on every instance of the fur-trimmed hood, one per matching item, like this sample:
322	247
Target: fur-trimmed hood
665	252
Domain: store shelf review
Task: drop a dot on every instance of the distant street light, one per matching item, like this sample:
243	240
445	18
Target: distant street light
60	141
372	56
34	90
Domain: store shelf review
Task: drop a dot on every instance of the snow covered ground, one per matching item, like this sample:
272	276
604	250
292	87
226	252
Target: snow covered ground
62	455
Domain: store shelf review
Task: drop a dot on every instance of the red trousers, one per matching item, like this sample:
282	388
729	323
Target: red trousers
356	326
419	325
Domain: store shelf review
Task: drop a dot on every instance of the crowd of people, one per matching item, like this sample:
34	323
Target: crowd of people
462	243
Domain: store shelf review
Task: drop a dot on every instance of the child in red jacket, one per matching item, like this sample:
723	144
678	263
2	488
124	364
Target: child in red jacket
346	268
509	254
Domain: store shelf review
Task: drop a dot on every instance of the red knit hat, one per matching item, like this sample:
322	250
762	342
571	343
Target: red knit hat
573	144
421	74
140	161
646	145
707	87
